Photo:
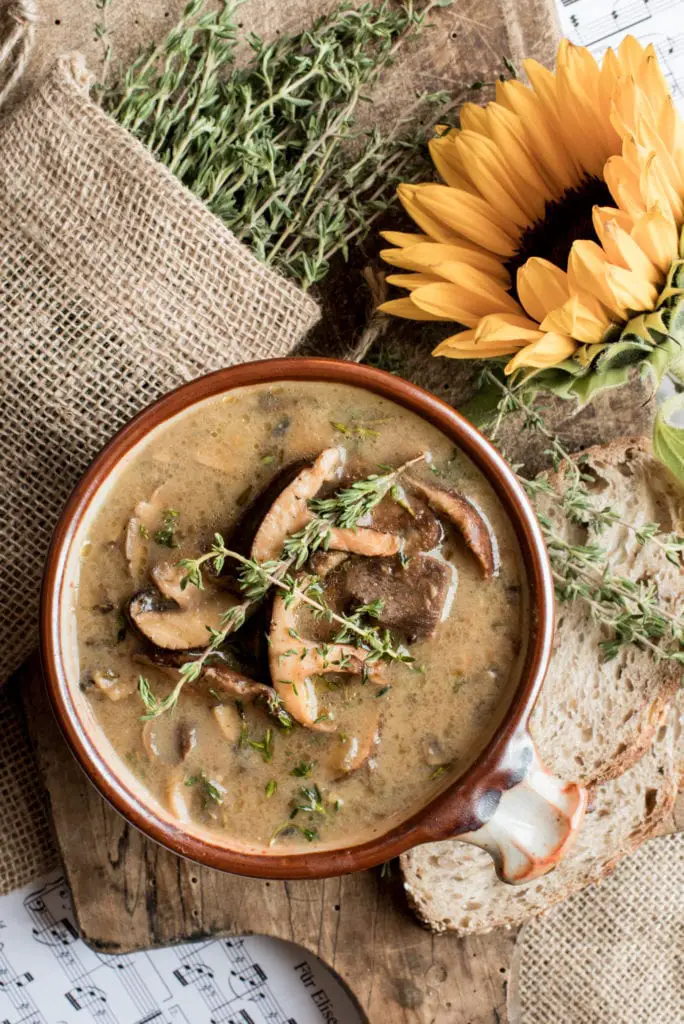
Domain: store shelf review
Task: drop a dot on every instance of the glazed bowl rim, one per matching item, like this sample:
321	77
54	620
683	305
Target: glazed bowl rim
456	804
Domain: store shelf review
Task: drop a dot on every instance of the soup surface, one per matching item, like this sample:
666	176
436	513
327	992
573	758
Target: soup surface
338	654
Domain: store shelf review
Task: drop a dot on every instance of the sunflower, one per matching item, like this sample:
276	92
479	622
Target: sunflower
554	238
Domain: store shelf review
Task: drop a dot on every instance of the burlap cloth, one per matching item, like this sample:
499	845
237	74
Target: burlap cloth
116	285
612	954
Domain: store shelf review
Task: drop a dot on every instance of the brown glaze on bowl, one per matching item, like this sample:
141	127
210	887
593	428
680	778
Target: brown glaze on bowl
464	806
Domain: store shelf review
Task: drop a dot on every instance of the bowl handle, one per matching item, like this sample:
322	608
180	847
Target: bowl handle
532	825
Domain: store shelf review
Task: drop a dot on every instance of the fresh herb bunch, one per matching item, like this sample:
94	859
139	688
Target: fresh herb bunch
630	611
274	147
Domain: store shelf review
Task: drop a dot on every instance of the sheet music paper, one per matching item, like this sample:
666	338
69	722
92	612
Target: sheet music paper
598	24
49	976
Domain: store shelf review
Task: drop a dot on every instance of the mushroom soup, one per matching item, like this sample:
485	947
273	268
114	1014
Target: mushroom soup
301	613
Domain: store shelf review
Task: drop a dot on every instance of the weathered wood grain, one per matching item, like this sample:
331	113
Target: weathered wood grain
131	894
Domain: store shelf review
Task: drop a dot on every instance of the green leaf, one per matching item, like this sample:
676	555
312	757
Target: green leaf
668	436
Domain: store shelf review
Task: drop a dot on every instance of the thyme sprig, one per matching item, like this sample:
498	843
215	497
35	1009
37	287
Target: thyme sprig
274	147
255	580
630	611
346	508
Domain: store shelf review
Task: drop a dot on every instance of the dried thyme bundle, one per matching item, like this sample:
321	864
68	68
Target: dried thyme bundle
273	147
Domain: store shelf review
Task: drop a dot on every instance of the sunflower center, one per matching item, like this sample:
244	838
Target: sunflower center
564	221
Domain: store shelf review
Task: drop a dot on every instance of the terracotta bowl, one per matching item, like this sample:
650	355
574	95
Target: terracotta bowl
505	802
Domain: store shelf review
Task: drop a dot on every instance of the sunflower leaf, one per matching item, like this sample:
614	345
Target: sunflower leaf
668	435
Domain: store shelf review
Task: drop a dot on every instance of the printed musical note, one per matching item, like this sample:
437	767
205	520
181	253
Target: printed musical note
48	975
598	24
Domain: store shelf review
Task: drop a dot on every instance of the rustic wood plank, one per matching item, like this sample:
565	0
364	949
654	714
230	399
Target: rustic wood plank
131	894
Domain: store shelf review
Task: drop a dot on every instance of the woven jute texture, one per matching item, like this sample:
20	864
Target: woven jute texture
116	285
612	954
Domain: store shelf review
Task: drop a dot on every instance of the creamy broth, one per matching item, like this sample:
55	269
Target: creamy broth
395	733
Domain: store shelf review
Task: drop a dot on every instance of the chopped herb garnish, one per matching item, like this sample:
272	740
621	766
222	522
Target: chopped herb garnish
270	788
313	801
303	769
153	705
382	691
212	792
267	460
166	534
265	746
143	531
440	770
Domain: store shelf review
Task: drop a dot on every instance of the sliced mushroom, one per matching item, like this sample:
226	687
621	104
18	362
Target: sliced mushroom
171	627
292	662
415	594
472	524
229	721
355	749
187	739
363	541
290	511
111	685
411	520
149	739
167	578
237	685
219	676
141	527
176	796
322	563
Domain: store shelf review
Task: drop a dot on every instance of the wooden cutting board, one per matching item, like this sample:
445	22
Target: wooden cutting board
131	894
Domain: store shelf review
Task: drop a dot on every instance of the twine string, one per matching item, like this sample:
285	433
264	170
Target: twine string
17	36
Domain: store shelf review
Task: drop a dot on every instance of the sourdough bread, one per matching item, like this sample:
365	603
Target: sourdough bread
594	721
595	718
452	886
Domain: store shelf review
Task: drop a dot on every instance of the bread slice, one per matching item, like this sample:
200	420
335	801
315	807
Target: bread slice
596	718
452	885
594	721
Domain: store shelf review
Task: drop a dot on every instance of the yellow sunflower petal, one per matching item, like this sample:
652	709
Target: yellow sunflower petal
631	291
473	117
577	78
446	158
550	350
403	240
407	310
464	346
467	302
468	215
671	128
588	272
428	258
495	180
619	246
545	87
652	80
657	188
630	54
581	317
411	281
507	328
550	153
433	226
542	286
656	233
609	79
507	131
624	186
